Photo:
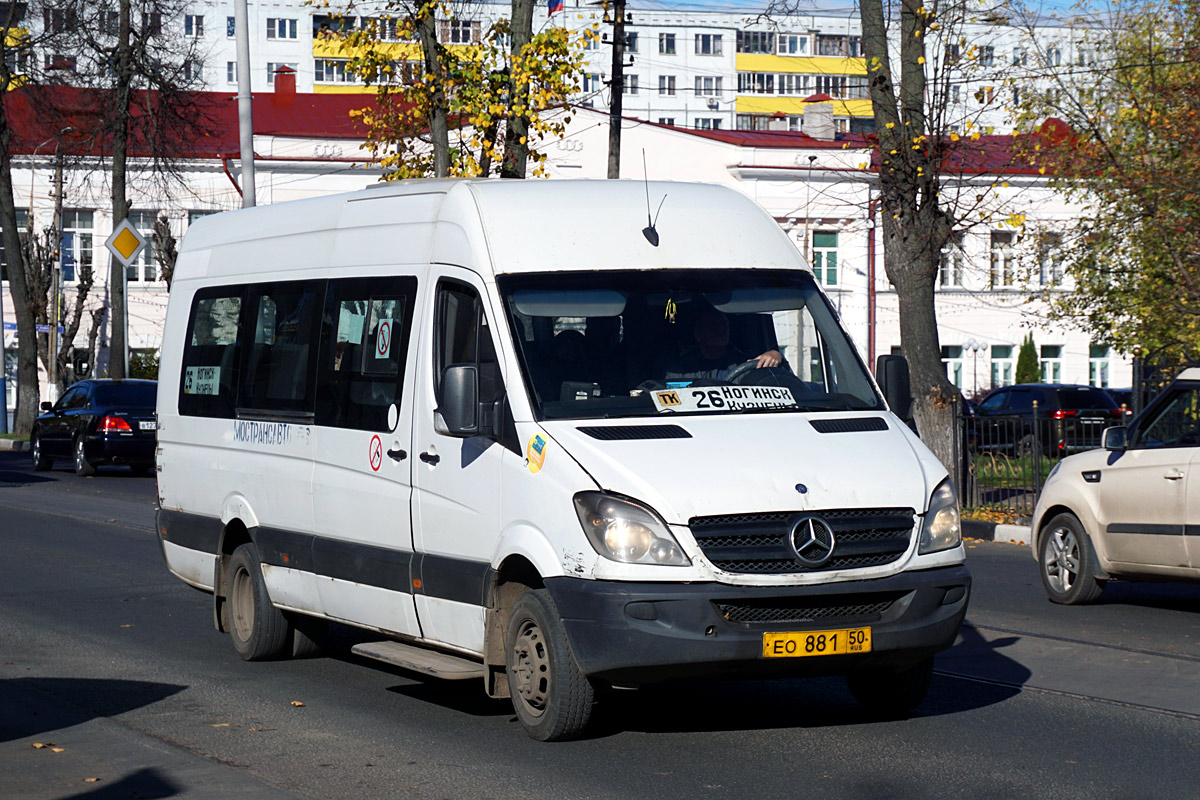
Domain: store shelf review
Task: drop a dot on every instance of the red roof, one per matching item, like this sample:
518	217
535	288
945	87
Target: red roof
205	124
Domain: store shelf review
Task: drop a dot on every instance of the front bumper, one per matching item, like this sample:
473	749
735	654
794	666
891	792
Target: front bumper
636	633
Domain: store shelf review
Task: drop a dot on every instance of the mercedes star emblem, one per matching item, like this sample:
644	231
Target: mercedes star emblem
812	541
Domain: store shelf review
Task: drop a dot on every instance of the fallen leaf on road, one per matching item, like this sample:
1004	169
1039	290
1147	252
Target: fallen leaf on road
126	626
91	780
221	725
58	749
40	745
297	703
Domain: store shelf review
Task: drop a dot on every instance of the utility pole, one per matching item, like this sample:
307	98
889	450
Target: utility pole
617	89
56	274
241	23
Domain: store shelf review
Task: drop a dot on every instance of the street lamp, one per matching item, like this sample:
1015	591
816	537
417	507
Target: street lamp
975	346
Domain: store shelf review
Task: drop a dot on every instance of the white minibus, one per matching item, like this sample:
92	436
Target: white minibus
522	432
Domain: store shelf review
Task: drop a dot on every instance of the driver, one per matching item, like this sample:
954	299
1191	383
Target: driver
713	356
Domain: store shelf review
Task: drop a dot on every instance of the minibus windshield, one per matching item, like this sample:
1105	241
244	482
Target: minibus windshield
665	342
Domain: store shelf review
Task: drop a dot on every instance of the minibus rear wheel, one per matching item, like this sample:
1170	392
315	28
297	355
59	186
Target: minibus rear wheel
259	630
552	697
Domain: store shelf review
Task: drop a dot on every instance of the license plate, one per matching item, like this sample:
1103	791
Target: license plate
146	425
817	643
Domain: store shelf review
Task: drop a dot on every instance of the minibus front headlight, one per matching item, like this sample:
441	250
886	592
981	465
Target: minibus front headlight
942	528
626	531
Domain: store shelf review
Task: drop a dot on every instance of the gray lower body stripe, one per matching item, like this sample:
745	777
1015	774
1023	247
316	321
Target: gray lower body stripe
1151	530
444	577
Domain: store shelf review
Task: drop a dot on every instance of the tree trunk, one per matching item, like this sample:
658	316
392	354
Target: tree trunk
118	344
439	129
28	393
516	134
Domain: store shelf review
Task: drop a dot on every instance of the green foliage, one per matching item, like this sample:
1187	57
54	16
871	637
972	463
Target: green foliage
143	364
1028	370
1130	159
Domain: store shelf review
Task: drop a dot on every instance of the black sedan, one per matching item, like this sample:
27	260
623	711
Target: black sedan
98	422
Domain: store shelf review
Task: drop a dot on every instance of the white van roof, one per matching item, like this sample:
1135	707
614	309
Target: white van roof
493	226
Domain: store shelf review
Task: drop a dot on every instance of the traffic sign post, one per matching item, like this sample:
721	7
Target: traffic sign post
126	244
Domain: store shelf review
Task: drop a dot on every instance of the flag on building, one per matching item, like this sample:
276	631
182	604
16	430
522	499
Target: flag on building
555	5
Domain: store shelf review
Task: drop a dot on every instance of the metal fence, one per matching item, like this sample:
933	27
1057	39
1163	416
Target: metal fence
1004	459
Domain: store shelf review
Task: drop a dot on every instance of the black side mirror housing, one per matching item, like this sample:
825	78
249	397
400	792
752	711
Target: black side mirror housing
459	407
891	373
47	405
1115	439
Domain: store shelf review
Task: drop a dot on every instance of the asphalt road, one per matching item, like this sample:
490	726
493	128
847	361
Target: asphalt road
116	664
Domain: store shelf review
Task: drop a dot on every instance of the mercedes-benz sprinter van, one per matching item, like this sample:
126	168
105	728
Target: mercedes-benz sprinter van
527	438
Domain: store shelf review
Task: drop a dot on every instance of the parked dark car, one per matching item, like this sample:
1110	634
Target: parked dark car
1068	418
98	422
1123	397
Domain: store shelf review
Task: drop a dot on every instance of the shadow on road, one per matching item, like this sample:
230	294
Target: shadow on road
38	705
1167	596
145	784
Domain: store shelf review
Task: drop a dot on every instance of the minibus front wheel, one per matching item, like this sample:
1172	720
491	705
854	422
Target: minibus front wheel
552	697
259	631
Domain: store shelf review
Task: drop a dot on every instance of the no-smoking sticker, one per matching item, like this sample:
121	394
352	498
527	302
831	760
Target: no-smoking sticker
383	339
376	454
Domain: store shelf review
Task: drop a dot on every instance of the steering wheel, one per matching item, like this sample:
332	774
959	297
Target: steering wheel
740	370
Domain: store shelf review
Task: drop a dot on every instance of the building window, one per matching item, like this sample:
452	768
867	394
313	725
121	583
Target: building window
824	257
1003	365
231	72
666	85
956	94
1054	56
231	27
950	271
57	20
281	28
631	84
1018	56
152	23
708	86
791	84
708	44
754	82
631	42
1001	259
952	357
1099	365
275	66
76	242
329	70
58	61
143	269
707	124
193	71
1051	362
755	42
987	55
792	44
952	53
459	31
832	46
1049	250
666	44
193	25
666	121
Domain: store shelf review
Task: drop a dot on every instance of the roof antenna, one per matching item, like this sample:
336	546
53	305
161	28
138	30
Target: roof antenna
649	232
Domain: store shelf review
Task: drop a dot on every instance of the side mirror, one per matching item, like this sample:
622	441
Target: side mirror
47	405
1115	439
891	372
459	406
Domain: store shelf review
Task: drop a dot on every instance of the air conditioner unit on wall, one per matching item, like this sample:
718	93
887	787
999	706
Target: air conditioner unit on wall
713	104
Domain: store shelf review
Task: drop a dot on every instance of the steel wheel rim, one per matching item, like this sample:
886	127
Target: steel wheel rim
1062	563
531	667
241	598
79	461
36	449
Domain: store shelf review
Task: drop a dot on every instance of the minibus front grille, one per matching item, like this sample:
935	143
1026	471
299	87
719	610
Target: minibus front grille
760	543
803	610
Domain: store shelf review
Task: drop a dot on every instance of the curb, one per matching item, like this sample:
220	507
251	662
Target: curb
996	532
14	445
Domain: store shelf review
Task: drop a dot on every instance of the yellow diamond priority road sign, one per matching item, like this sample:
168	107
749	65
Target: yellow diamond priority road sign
126	243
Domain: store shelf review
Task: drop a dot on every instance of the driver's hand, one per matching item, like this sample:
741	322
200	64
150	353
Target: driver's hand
771	358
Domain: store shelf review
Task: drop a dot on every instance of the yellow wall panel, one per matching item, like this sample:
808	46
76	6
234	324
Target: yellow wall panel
809	65
767	104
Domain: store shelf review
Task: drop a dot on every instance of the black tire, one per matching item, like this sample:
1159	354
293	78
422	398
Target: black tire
41	462
259	630
1068	562
891	692
552	697
83	467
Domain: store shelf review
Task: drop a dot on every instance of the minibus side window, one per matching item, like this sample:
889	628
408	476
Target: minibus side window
284	320
464	337
208	380
364	345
